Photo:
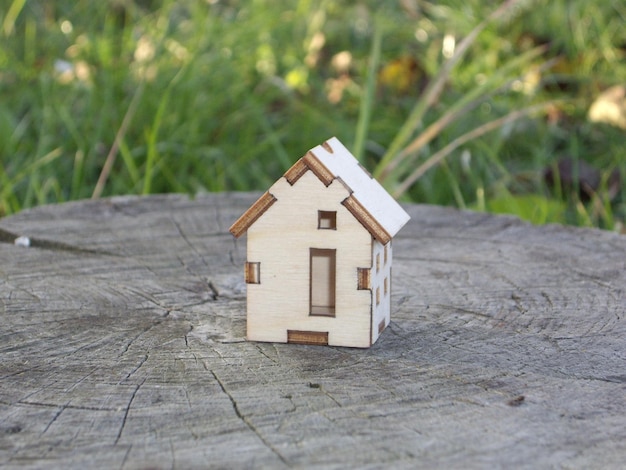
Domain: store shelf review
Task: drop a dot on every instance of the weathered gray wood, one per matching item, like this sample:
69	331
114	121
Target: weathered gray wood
122	346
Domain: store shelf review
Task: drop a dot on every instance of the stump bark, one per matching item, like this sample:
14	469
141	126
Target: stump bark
122	345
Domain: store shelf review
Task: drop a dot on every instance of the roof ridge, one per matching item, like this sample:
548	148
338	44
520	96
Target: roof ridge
368	201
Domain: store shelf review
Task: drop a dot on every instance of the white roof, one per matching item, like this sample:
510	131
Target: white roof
365	189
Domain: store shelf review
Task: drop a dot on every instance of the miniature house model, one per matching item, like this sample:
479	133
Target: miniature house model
318	267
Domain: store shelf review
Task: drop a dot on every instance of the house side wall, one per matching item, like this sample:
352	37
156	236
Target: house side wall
281	241
380	275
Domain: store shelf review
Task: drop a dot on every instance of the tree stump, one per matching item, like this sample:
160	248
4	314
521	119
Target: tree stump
123	345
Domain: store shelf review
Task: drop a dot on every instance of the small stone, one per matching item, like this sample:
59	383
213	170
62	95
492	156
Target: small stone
22	241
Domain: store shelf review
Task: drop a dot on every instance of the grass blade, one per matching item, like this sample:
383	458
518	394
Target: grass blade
8	25
121	132
390	160
462	107
438	156
367	101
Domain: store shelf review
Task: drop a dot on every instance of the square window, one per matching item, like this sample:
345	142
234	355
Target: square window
327	220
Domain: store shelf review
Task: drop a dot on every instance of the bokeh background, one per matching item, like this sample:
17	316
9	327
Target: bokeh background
510	107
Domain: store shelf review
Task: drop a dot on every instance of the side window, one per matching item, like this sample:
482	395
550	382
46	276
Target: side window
363	275
252	273
327	220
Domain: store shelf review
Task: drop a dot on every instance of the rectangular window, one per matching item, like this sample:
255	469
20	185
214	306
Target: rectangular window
385	286
378	296
381	326
377	262
386	255
323	265
363	275
252	273
327	220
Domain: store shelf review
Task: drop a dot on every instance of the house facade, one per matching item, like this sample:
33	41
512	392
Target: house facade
319	253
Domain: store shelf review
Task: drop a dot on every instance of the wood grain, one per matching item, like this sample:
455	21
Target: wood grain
122	346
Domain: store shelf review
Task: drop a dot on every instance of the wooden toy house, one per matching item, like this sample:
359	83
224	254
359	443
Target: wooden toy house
318	267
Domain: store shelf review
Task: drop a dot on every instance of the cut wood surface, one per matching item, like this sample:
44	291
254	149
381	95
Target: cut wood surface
122	345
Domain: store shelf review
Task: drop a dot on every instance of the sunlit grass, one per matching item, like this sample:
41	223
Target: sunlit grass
445	103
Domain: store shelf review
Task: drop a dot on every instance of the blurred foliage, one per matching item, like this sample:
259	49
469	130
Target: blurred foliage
111	97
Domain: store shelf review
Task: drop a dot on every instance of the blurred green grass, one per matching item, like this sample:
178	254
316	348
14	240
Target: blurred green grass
138	97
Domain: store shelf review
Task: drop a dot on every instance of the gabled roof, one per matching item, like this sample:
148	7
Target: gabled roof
370	204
